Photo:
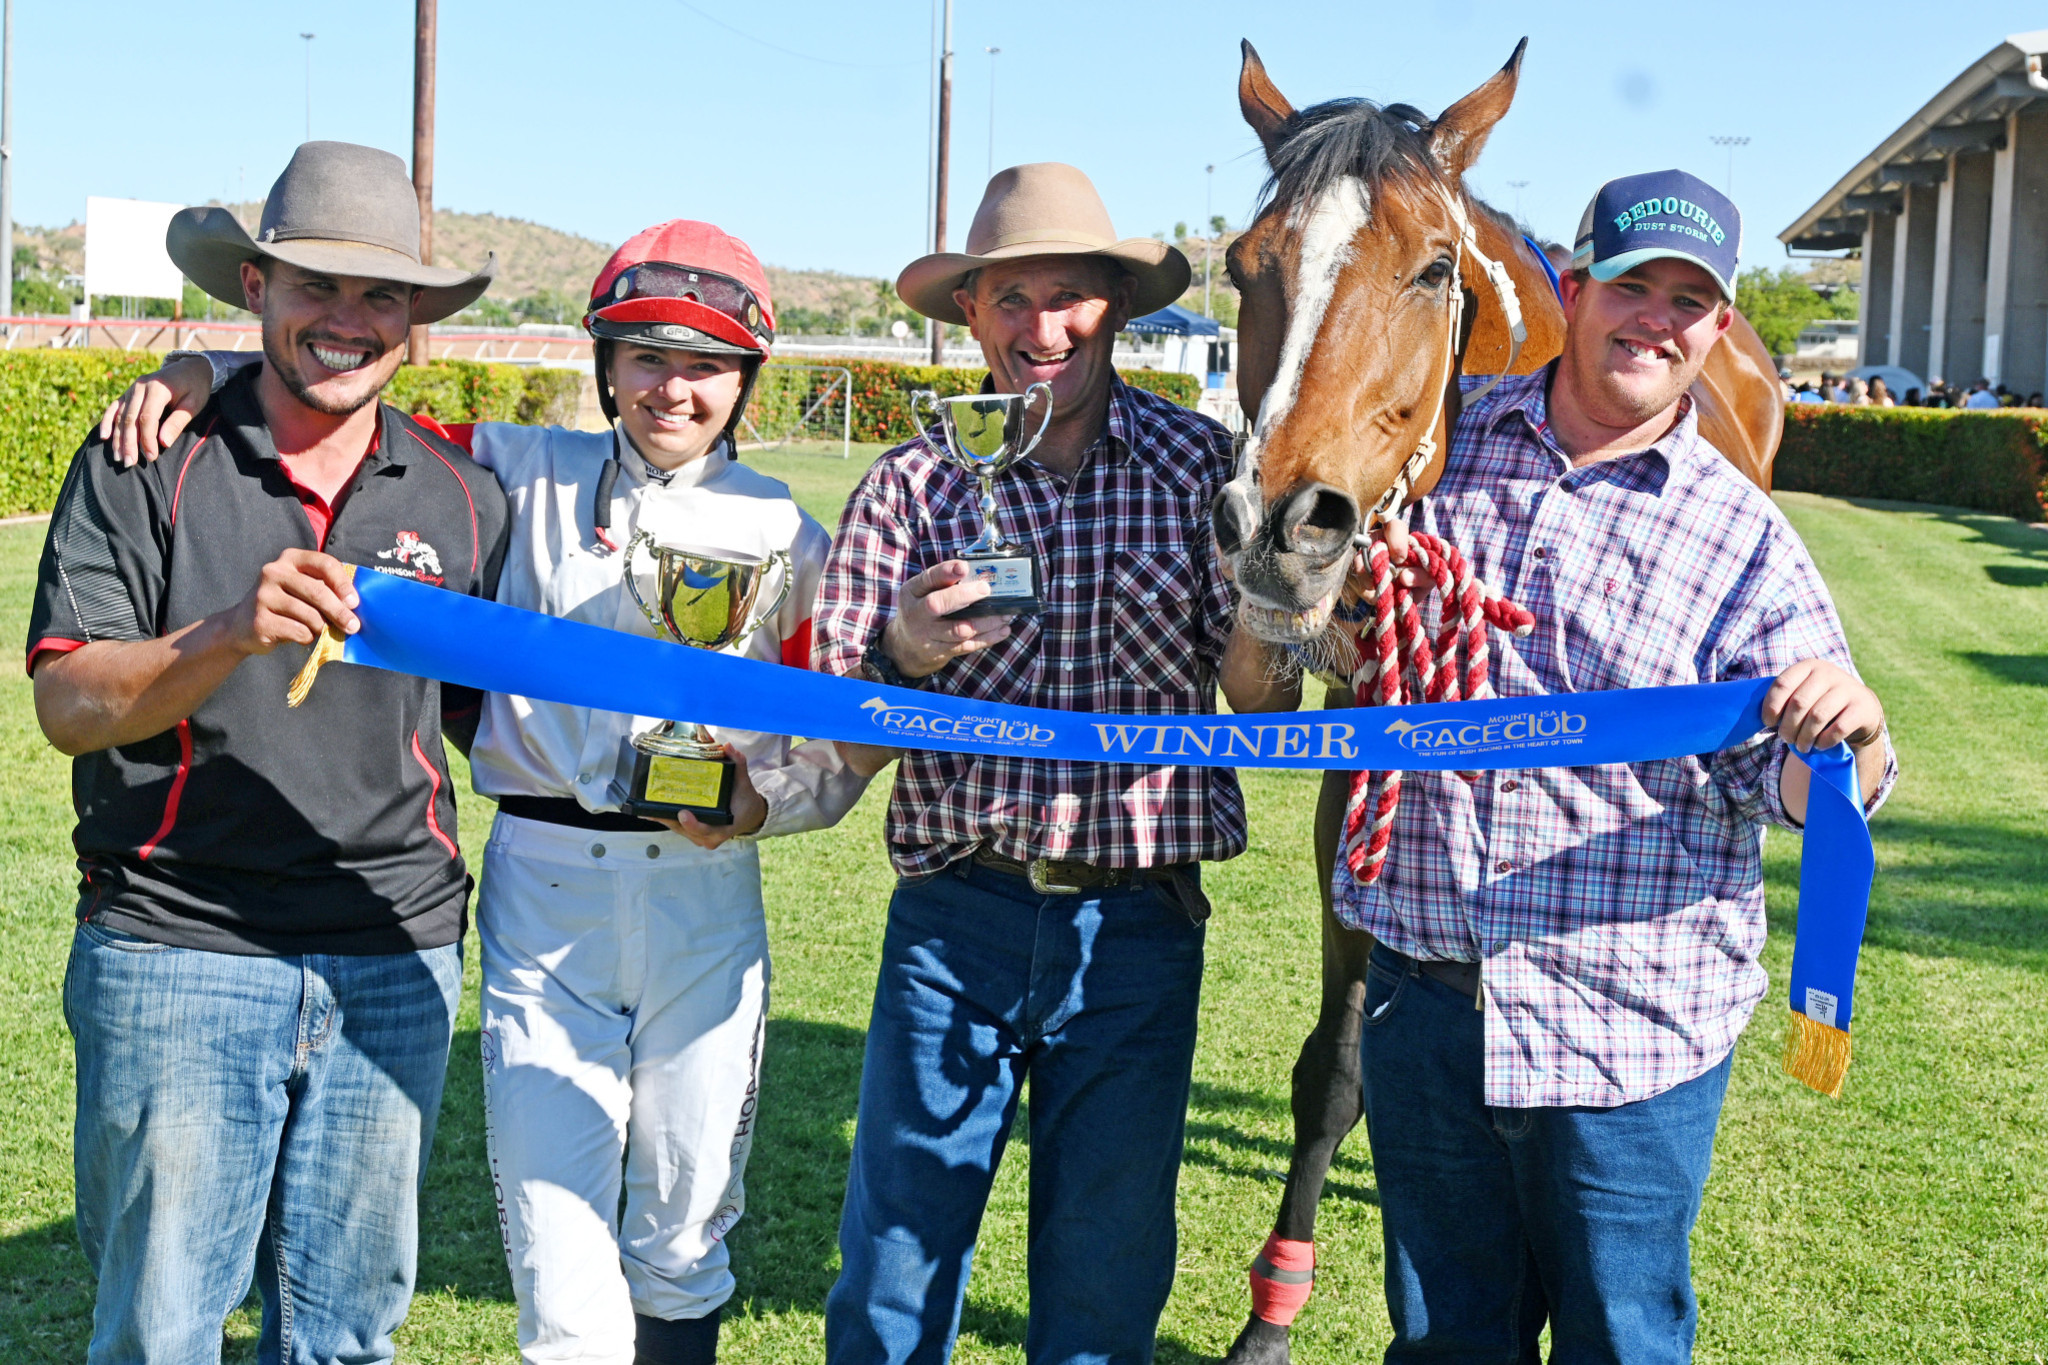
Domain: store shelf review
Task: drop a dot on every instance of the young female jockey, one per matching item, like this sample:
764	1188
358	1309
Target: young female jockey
625	965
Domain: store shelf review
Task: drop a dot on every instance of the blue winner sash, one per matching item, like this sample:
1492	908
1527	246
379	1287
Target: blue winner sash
410	628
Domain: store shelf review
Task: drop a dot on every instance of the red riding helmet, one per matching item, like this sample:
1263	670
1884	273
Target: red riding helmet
685	286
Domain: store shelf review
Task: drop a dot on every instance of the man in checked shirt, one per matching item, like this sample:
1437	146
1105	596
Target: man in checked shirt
1567	955
1049	916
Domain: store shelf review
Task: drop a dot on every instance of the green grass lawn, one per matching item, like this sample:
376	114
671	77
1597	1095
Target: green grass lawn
1906	1222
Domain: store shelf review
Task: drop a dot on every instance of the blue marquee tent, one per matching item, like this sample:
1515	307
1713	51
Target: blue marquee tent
1174	320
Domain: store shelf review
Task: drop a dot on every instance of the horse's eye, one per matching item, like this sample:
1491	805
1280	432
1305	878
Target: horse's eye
1439	271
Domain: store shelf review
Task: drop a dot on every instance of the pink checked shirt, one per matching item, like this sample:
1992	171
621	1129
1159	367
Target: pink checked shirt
1136	618
1619	910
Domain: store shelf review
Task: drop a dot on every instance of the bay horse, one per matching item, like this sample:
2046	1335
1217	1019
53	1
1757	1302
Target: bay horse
1367	287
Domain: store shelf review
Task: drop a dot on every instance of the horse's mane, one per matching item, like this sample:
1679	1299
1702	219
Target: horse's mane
1324	143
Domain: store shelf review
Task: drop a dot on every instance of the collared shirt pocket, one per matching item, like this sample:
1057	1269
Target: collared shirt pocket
1152	630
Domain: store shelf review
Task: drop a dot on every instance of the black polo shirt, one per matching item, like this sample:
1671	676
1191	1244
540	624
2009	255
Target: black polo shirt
252	827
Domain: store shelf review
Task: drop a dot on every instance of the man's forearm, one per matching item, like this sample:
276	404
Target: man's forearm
114	692
1255	676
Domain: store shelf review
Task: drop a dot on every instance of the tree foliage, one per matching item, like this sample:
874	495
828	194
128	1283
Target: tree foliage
1780	304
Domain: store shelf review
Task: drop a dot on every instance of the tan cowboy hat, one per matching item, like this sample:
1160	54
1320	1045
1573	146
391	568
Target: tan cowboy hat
1044	209
339	209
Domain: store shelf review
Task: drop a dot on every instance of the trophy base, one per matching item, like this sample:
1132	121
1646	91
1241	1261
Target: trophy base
664	785
1013	585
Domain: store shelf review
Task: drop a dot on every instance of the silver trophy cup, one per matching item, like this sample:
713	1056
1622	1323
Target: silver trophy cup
983	433
708	601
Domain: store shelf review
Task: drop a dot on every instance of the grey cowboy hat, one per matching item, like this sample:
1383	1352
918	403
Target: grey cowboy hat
1043	209
339	209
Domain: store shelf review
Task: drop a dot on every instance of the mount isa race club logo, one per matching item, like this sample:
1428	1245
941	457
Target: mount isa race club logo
914	724
414	558
1545	728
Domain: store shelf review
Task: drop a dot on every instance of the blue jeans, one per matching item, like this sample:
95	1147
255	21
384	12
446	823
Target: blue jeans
1497	1220
983	983
252	1114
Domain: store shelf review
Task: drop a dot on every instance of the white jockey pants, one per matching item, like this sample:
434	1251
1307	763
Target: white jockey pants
625	981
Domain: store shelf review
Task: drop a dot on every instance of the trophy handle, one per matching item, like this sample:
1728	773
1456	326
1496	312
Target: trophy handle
920	399
1043	422
781	559
632	582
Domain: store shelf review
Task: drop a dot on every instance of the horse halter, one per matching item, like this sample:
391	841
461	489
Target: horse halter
1417	464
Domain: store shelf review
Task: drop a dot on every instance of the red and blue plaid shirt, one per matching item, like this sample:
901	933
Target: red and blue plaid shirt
1136	617
1619	910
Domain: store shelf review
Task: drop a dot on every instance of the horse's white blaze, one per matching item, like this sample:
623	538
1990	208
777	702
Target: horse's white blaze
1331	227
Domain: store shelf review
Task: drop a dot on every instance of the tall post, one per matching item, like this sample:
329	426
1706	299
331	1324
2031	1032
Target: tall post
945	157
309	85
1209	254
7	161
1998	255
1944	248
1912	213
422	152
993	53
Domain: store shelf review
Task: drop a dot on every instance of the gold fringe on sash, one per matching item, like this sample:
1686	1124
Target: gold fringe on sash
326	649
1817	1055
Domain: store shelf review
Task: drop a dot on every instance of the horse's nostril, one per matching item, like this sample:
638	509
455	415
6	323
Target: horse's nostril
1235	522
1316	521
1332	511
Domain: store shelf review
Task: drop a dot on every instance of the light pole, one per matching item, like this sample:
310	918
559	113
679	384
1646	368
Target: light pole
424	23
1518	186
944	165
1209	222
993	53
1731	143
309	85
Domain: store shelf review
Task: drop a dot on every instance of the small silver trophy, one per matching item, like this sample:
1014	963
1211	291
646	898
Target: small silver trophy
704	599
983	433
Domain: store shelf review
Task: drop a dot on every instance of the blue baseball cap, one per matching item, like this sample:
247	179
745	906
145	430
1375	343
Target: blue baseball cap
1661	214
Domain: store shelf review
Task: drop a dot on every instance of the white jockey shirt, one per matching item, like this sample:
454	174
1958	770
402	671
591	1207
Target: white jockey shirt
556	564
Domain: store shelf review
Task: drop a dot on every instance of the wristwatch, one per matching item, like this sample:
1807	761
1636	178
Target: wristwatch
877	667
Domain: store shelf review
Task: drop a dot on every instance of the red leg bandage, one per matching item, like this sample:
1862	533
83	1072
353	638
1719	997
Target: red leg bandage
1282	1276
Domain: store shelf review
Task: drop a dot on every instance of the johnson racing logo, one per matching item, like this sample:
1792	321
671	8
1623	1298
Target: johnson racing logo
417	559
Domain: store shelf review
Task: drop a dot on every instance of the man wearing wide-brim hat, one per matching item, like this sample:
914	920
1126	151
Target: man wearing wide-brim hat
264	976
1048	921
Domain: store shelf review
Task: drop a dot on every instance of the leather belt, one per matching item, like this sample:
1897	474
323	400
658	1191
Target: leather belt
563	810
1061	877
1462	977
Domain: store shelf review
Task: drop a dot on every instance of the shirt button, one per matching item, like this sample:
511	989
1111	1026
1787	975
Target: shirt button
587	778
1540	552
1503	867
1509	785
597	850
1151	597
654	850
1067	667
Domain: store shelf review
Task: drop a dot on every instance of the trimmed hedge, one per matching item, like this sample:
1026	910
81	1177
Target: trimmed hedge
882	389
50	398
1990	461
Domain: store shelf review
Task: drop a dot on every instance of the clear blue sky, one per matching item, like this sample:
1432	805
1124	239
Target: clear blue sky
605	116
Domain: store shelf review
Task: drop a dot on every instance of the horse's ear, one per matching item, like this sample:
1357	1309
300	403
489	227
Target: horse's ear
1264	107
1458	135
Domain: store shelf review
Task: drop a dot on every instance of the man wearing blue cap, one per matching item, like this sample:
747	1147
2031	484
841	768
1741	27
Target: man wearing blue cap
1566	956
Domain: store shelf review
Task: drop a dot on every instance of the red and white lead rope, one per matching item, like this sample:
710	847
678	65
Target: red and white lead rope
1401	664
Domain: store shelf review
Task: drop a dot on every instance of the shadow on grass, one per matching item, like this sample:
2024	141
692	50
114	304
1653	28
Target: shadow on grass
45	1294
2016	575
2028	670
1948	890
1988	527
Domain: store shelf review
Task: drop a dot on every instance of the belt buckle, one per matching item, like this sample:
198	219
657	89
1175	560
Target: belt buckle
1035	871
